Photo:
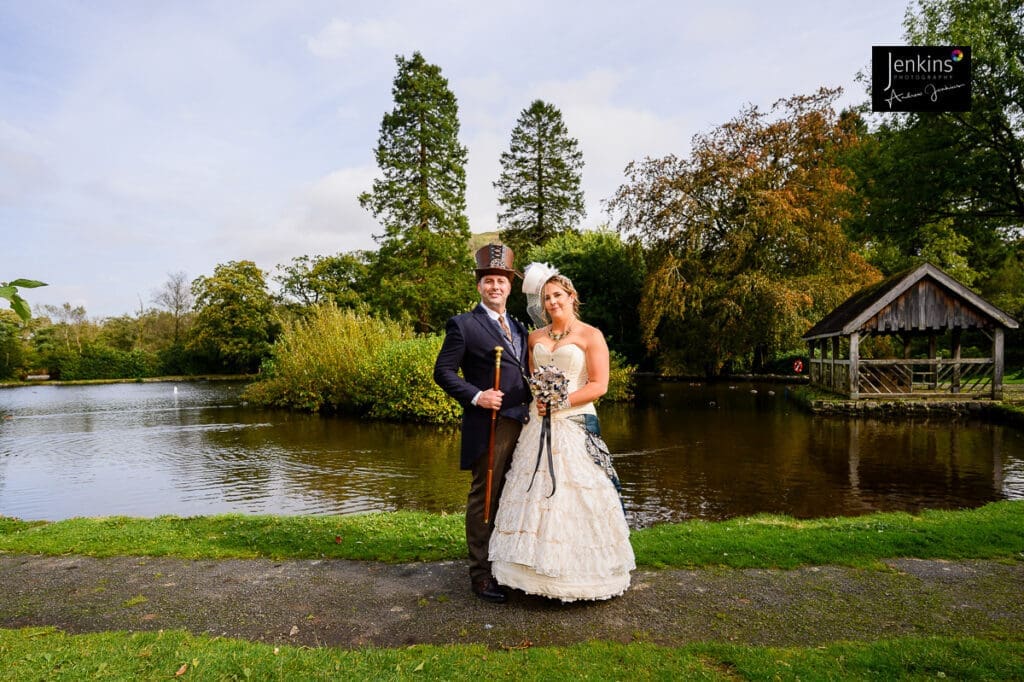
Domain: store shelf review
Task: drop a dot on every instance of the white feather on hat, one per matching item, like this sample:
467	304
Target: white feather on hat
535	275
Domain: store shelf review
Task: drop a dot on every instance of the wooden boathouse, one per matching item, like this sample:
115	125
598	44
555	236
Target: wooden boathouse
918	309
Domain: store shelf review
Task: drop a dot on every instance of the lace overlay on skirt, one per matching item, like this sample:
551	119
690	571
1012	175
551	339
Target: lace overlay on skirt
574	544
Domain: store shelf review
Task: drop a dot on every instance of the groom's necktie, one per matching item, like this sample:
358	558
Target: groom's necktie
504	327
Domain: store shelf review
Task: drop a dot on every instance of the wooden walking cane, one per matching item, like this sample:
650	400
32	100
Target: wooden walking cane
490	446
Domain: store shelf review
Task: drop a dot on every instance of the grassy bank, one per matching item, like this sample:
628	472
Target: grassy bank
49	654
995	531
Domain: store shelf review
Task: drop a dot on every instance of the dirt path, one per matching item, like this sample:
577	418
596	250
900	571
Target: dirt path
354	604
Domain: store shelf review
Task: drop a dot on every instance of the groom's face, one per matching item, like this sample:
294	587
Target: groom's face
494	291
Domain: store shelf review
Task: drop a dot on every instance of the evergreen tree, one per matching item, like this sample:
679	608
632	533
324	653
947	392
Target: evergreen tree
421	200
539	186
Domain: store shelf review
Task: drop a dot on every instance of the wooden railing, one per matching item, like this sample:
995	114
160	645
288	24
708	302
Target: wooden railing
899	377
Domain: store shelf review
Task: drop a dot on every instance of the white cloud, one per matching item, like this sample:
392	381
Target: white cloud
322	218
327	216
340	38
24	169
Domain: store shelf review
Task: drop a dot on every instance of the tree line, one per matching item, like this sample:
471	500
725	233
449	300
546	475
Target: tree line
713	261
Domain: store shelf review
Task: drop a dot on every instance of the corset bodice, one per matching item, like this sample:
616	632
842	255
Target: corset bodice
571	359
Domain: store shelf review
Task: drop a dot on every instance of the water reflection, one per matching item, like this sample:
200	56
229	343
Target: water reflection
682	452
716	451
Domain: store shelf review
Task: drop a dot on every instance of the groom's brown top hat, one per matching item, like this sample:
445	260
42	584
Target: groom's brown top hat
495	259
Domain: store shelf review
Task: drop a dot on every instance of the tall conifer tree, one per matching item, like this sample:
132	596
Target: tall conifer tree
421	200
539	187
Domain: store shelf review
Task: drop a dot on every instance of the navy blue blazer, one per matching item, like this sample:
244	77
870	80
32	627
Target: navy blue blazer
469	342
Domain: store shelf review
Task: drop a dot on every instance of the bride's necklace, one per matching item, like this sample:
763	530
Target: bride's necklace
558	337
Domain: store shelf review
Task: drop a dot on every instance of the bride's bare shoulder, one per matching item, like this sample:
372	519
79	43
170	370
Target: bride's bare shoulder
589	331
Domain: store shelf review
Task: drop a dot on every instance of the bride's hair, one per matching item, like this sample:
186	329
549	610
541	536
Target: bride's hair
565	283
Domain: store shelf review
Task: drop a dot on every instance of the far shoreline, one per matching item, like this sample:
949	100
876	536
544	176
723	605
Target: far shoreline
1009	411
185	378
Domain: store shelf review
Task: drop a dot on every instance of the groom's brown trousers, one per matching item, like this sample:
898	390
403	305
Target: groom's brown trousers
478	533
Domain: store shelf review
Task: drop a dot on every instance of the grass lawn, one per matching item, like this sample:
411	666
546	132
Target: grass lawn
995	531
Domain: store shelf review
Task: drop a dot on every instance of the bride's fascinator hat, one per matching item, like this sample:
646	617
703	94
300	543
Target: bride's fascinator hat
535	275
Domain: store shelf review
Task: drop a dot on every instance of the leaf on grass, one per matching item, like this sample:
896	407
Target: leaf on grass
181	670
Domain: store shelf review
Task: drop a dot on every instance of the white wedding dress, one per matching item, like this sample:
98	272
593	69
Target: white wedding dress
575	543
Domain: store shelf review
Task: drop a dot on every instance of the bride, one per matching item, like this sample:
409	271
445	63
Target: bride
560	530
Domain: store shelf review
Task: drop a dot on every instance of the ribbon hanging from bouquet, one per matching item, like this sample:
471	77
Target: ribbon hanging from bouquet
550	387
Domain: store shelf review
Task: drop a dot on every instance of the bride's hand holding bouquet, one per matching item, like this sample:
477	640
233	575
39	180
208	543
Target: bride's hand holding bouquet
550	389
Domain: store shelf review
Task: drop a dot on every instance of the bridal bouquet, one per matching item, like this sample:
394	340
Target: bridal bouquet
549	385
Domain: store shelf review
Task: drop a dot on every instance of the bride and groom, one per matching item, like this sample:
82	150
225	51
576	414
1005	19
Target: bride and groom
555	526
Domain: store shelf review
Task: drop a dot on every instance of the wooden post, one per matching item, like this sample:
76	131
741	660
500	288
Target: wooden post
997	360
854	365
835	354
810	361
955	386
823	347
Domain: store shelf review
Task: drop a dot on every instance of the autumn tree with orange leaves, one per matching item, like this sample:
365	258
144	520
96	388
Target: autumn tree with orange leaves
744	239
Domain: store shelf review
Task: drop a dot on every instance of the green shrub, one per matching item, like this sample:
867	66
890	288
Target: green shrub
315	363
99	361
621	379
399	384
176	360
12	353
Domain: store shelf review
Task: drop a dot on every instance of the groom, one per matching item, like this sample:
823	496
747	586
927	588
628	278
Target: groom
469	343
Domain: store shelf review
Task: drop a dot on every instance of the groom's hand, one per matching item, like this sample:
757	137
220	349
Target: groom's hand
490	399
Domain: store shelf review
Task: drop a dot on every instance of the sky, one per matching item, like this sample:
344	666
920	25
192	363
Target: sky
139	139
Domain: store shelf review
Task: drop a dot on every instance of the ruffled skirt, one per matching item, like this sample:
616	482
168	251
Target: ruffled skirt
571	545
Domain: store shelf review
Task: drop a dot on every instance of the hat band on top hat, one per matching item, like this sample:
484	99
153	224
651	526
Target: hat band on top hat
496	259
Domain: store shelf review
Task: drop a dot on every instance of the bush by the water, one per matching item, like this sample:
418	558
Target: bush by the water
621	377
399	384
96	361
316	361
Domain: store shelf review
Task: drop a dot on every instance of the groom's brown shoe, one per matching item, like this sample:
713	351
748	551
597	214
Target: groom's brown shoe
489	590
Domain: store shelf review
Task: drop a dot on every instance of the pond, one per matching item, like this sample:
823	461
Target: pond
708	451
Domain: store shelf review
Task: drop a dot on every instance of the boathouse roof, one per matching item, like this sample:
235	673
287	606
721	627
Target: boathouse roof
923	298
